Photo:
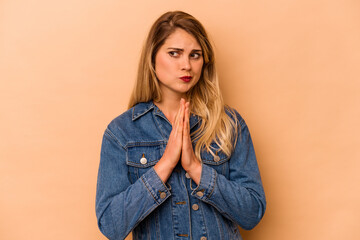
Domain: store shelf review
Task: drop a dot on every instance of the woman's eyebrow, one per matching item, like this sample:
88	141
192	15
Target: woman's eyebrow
177	49
181	49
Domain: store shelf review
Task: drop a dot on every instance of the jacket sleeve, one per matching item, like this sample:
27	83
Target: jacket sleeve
240	198
120	204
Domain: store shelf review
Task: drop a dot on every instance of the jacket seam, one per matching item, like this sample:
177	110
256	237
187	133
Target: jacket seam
158	126
133	117
213	185
144	144
203	215
142	179
218	222
112	135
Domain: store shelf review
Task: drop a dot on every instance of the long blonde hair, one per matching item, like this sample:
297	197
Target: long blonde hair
205	97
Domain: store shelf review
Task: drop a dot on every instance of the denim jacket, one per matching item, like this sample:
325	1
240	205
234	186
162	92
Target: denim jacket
131	196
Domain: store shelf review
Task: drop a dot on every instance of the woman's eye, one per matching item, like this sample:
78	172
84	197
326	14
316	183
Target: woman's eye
173	54
195	55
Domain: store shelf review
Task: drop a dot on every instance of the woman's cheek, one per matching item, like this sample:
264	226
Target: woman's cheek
163	66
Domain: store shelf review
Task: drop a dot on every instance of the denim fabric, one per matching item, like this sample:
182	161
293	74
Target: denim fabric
131	196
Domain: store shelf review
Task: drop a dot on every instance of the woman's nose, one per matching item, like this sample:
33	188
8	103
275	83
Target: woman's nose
185	63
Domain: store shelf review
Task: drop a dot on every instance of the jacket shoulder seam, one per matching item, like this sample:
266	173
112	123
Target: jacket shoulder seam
113	137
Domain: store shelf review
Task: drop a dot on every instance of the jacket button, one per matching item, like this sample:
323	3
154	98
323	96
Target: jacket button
187	175
195	207
162	195
143	160
200	194
203	238
216	158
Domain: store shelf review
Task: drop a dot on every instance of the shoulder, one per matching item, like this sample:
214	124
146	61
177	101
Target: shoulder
235	116
114	130
135	124
120	121
129	117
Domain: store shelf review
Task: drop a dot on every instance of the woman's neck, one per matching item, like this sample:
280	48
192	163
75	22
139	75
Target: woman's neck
170	106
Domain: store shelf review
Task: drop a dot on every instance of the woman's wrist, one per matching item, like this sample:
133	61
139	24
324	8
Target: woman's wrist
164	169
194	171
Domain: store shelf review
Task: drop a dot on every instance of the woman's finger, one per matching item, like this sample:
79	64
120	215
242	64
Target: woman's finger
181	116
175	125
177	117
186	120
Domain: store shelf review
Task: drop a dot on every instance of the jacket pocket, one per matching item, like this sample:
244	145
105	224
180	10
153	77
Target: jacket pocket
218	161
141	156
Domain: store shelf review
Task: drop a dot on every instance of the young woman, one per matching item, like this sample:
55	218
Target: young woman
179	164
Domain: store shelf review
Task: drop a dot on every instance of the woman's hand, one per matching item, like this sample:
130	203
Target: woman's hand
189	161
172	152
179	145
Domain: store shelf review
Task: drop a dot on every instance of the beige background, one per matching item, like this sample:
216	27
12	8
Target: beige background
291	68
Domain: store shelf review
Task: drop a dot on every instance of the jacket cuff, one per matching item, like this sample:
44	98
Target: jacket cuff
155	186
207	183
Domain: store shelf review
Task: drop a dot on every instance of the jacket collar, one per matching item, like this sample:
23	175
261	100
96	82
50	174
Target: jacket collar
142	108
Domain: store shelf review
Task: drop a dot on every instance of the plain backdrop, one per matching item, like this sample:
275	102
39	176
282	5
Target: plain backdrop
291	68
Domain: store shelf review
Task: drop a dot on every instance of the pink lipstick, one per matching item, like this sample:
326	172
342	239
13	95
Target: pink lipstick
186	78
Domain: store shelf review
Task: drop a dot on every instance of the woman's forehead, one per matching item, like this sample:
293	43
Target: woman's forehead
182	40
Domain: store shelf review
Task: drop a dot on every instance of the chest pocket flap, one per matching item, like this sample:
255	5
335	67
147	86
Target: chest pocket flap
144	154
219	161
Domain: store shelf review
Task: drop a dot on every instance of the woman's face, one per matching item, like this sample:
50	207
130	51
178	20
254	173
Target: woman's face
178	63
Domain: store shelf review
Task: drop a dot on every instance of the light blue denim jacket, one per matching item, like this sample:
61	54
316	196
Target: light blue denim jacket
131	196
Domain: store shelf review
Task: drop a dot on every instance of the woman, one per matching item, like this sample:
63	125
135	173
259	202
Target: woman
178	164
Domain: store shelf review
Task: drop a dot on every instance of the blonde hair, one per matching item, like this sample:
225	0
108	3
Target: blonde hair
205	97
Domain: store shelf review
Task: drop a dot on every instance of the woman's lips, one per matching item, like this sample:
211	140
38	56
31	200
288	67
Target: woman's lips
186	78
